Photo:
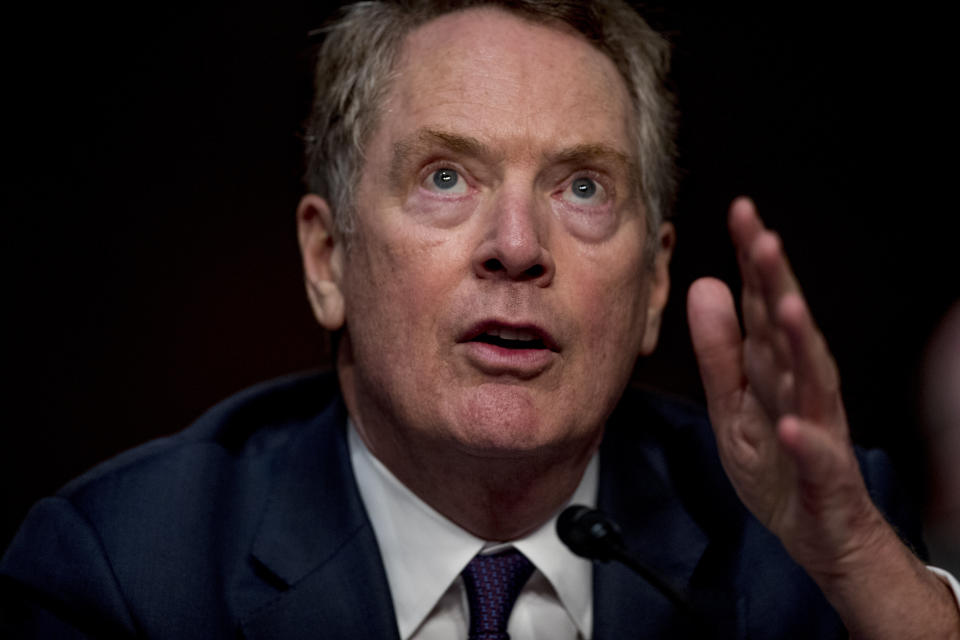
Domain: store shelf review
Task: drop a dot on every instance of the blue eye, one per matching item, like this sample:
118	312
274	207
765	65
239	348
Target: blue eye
585	191
445	179
584	188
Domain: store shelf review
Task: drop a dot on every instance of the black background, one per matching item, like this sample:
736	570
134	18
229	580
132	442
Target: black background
151	169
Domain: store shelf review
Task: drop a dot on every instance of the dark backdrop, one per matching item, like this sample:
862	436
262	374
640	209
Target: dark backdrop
151	170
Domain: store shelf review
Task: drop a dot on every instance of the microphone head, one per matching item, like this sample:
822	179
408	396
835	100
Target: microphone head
589	533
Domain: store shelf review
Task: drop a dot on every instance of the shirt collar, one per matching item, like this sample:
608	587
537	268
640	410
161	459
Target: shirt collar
423	552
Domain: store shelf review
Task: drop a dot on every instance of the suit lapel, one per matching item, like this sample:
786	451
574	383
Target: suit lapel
316	545
638	490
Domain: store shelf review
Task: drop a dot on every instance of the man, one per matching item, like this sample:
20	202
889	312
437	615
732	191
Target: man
486	238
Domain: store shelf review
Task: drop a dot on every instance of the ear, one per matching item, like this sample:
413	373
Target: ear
322	252
659	286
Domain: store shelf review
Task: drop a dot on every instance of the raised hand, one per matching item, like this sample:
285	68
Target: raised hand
775	403
774	400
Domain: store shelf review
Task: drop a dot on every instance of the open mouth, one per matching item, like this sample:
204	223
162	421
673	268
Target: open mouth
511	337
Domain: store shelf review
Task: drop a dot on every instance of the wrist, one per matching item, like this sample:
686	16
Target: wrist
865	540
847	536
881	589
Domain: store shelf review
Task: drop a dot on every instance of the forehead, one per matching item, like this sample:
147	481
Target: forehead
523	86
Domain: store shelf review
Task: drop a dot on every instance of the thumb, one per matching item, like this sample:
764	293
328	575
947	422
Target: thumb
717	343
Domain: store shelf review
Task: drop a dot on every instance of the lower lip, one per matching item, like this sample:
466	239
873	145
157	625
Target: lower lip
496	360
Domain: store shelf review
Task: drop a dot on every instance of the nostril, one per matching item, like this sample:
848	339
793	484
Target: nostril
496	268
535	271
493	265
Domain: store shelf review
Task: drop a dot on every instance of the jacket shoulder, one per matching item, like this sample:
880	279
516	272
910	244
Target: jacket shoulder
156	537
245	425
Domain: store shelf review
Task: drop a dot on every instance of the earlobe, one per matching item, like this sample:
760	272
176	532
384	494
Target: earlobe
659	286
322	251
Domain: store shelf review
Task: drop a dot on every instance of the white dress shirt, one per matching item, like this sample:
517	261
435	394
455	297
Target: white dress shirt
423	554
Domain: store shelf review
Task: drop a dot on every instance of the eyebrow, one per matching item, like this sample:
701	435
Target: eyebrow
431	138
426	139
589	153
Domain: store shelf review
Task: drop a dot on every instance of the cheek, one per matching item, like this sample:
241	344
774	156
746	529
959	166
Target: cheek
615	301
395	285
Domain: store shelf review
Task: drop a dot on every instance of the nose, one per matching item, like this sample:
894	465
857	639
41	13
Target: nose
515	246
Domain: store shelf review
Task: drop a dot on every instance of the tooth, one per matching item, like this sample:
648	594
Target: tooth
506	333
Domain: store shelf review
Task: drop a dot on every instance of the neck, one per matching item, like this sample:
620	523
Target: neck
495	499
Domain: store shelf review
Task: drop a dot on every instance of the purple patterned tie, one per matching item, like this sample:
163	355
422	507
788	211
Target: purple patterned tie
493	583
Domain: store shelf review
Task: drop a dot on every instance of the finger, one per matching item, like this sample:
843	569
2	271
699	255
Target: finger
756	320
759	251
770	381
775	277
816	380
776	280
748	232
778	314
744	224
760	326
715	333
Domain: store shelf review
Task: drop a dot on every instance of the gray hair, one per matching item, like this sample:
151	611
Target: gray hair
360	48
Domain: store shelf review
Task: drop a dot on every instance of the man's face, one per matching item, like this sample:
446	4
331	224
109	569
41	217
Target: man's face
497	292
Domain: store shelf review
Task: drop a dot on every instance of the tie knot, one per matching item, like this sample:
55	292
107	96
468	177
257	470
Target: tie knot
493	583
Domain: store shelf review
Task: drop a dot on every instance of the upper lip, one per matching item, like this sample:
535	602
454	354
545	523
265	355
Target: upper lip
510	330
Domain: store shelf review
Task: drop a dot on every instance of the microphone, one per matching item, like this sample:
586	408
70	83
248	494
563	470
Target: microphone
592	535
589	533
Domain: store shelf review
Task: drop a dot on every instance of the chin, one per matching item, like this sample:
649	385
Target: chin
504	420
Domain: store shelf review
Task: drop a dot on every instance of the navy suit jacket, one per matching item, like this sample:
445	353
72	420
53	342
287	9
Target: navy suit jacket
249	524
